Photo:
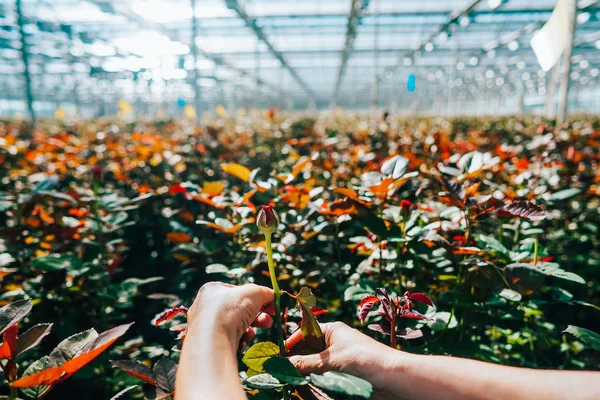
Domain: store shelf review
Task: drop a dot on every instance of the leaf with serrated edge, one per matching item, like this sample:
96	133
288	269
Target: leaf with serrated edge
12	313
37	392
78	359
164	374
307	297
284	371
136	369
421	298
256	355
122	392
263	382
591	339
342	383
32	337
522	209
311	331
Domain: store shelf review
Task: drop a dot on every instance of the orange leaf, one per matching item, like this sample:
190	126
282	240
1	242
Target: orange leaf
10	342
237	170
51	376
382	188
300	165
351	193
245	198
137	369
212	188
178	237
208	201
170	314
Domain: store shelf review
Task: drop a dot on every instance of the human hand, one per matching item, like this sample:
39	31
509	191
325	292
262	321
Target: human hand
349	351
222	309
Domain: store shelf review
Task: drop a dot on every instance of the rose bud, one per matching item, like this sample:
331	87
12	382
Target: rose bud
267	220
97	174
405	208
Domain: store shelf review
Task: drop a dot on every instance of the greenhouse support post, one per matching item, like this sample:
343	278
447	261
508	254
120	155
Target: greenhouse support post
565	80
25	58
194	49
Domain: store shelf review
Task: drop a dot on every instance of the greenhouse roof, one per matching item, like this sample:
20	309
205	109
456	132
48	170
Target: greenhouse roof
296	53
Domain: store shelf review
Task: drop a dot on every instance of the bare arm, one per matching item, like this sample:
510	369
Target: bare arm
399	375
218	321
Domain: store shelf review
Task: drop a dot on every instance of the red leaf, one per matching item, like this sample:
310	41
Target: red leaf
170	314
421	298
412	314
379	328
32	337
369	299
9	346
311	392
409	333
522	209
54	375
366	305
137	369
317	311
177	189
386	304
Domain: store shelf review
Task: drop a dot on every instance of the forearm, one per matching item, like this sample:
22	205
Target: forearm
434	377
208	365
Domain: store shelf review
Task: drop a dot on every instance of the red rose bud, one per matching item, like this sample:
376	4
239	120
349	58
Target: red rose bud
97	173
405	207
267	220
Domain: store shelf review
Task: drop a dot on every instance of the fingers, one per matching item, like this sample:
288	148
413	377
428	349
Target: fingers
263	294
313	363
263	320
248	335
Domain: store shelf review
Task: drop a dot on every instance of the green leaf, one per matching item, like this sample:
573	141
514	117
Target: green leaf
563	194
164	374
493	244
438	321
216	269
359	291
307	297
122	392
585	303
339	382
256	355
35	392
375	225
54	262
71	346
6	259
511	295
311	331
32	337
395	167
284	371
12	313
553	269
591	339
263	382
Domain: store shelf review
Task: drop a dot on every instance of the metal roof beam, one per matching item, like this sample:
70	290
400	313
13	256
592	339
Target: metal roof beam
234	5
142	22
353	21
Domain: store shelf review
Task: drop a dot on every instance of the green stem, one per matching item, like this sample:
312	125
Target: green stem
277	292
14	393
500	232
535	252
516	236
467	226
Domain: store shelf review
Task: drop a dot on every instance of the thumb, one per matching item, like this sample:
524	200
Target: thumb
312	363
